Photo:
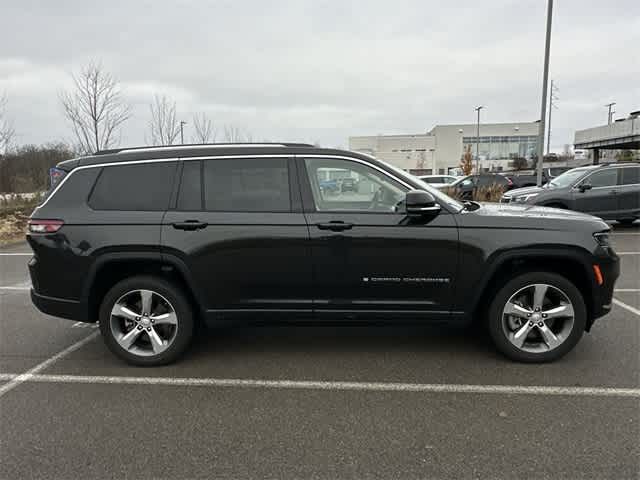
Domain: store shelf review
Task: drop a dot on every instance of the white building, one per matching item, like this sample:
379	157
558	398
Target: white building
440	150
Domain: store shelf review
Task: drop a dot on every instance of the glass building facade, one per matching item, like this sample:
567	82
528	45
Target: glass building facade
503	148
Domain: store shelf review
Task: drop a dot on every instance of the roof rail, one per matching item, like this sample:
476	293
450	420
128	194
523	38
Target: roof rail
196	146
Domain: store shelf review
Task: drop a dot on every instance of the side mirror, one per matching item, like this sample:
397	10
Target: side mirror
584	187
420	203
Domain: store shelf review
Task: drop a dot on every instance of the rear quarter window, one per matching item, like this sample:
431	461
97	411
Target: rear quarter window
630	176
145	187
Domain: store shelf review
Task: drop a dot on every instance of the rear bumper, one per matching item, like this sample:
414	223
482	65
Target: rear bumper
59	307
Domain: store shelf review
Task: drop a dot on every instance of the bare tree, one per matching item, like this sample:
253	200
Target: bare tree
233	134
95	108
466	164
205	131
6	127
163	126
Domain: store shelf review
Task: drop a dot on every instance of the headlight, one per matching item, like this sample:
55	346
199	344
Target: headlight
525	198
603	239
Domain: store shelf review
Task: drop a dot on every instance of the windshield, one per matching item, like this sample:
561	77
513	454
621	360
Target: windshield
567	178
441	197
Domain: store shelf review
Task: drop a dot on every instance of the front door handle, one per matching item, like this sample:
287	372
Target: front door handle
613	192
189	225
335	226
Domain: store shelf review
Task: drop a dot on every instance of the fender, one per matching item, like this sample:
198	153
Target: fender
498	259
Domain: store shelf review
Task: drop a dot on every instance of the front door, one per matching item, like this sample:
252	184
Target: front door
238	226
601	199
369	258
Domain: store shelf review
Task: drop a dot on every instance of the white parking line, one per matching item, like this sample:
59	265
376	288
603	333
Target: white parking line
337	386
628	253
21	254
28	375
626	290
626	307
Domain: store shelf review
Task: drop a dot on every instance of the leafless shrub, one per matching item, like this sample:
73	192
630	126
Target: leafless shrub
6	127
204	130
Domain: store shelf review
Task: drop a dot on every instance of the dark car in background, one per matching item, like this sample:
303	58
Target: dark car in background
153	241
609	191
529	178
466	187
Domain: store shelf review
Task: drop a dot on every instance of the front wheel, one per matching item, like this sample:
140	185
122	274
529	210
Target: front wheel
537	317
146	321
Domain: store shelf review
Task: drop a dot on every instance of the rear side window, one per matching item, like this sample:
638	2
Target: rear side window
630	176
603	178
144	187
247	185
190	196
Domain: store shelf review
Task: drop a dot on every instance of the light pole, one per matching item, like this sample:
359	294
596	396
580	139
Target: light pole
545	78
477	109
182	124
609	105
552	105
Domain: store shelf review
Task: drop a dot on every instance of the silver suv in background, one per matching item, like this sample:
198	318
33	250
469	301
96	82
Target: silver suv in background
609	191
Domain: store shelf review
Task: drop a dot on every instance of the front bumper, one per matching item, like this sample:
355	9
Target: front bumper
603	294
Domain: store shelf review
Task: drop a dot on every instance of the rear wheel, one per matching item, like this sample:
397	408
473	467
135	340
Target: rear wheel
537	317
146	321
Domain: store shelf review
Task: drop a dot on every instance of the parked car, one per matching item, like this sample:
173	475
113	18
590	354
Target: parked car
609	191
154	241
465	187
329	186
438	181
349	185
529	178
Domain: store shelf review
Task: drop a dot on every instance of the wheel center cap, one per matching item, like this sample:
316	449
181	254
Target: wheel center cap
535	317
145	322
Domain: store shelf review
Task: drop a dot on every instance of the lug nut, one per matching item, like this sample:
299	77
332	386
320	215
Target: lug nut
528	314
540	324
139	327
531	324
148	329
153	321
537	309
544	315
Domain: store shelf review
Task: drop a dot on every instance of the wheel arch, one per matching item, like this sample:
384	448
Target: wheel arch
571	263
110	268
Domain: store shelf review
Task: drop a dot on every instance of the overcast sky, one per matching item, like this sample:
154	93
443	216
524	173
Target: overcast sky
324	70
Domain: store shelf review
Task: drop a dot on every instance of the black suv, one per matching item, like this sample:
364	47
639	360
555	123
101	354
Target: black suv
152	241
610	191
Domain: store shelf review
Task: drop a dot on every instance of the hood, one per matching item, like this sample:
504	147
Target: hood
525	216
516	192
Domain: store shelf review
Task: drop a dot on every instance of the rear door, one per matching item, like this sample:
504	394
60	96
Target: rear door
238	226
602	198
629	191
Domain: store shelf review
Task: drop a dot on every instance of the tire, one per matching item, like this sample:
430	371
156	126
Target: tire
569	329
174	332
626	221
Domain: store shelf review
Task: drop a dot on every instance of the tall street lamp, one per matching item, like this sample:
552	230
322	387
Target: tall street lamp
477	109
182	124
543	109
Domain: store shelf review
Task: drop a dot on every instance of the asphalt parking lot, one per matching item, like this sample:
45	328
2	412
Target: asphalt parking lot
317	402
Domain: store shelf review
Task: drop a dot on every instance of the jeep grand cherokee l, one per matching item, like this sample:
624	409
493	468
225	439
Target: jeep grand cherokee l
152	241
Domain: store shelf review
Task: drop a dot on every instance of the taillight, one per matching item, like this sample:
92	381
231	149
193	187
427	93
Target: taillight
45	226
510	181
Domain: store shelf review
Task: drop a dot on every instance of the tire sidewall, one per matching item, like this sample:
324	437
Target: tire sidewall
177	299
497	305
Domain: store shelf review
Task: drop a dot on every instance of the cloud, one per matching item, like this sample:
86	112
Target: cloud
325	69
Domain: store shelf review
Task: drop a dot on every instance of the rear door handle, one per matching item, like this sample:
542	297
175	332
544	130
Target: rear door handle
335	226
189	225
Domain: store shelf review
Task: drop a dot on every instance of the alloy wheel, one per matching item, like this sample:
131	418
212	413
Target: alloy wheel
143	322
538	318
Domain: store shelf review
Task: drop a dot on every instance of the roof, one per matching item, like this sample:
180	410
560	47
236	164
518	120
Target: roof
206	150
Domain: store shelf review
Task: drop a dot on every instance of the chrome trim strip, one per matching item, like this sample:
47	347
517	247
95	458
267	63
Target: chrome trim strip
158	160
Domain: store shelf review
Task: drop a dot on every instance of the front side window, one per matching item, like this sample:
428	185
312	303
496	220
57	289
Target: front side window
247	185
343	185
603	178
142	187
